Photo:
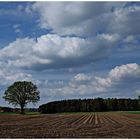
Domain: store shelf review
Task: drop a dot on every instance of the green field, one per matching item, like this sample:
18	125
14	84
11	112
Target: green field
32	113
26	113
67	113
133	112
4	113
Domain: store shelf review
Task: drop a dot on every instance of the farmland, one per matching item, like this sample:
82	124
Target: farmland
74	125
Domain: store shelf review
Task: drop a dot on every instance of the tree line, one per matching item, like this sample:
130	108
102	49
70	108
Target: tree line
6	109
23	92
91	105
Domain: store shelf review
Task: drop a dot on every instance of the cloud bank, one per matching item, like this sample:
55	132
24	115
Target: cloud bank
54	52
121	80
88	18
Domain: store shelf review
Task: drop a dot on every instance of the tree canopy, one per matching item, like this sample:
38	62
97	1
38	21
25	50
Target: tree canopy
21	93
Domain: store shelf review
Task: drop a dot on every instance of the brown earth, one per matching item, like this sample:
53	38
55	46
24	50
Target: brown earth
82	125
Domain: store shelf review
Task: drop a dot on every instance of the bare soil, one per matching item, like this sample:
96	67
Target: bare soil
86	125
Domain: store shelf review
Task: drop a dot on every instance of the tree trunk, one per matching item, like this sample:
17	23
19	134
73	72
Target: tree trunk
22	108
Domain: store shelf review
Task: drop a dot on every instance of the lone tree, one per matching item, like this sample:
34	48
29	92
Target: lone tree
21	93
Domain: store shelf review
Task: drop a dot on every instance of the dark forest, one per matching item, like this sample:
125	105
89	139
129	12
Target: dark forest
90	105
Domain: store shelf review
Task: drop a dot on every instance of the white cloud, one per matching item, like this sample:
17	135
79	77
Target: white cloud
81	77
52	51
109	37
129	39
20	54
58	15
124	71
79	18
9	76
120	74
17	28
89	18
123	18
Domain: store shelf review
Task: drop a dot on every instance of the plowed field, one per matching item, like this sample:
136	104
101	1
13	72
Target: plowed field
82	125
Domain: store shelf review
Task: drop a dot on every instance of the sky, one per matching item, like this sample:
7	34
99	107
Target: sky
71	50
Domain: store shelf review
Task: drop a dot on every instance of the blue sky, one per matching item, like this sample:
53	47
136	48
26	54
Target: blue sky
71	49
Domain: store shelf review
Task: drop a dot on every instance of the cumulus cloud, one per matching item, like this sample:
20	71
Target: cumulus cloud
88	18
52	51
81	77
82	20
8	76
120	75
125	71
